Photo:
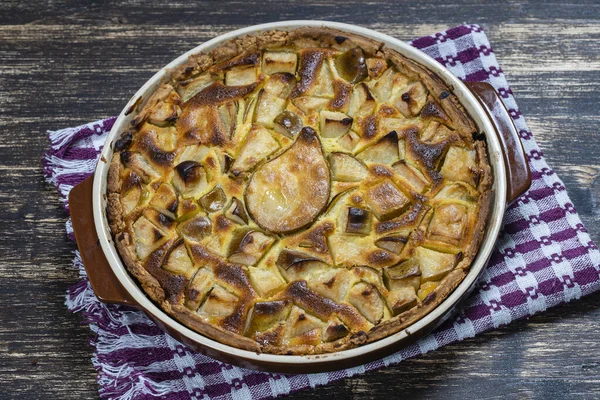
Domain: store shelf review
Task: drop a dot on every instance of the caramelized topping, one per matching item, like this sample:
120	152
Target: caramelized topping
311	62
218	93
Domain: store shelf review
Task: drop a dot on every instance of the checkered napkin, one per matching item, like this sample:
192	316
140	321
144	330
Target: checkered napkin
543	257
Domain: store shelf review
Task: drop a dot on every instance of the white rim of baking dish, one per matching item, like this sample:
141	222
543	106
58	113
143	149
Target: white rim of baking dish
466	98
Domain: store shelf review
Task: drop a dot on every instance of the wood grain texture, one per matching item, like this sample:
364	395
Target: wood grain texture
68	62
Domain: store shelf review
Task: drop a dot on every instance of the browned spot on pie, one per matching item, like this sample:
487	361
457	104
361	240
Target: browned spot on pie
311	61
165	221
132	180
235	276
410	218
317	237
222	223
252	59
235	322
369	126
429	155
380	257
433	110
189	171
302	295
270	337
430	298
381	171
334	332
156	154
340	39
341	95
173	285
123	142
218	93
387	110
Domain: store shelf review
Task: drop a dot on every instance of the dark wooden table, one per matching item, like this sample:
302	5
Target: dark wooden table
63	63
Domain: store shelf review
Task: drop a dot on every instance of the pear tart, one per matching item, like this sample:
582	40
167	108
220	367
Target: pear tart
299	192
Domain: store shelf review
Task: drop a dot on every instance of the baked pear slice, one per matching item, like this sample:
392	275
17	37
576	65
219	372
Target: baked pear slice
267	314
351	65
346	168
290	191
248	246
258	145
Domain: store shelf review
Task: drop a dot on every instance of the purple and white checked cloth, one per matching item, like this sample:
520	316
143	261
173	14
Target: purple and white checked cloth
543	257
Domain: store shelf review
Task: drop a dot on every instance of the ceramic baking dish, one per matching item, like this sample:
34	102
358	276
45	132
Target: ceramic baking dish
113	284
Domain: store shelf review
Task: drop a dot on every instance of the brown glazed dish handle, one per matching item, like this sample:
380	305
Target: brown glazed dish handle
106	285
518	175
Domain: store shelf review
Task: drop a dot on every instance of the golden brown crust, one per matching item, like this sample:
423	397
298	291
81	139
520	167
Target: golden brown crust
401	237
189	319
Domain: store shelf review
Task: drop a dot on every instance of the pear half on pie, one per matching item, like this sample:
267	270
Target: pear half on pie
299	192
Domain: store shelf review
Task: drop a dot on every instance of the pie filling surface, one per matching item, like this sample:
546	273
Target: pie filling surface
299	193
